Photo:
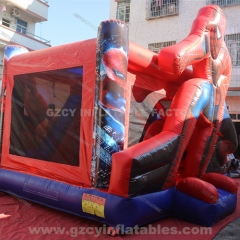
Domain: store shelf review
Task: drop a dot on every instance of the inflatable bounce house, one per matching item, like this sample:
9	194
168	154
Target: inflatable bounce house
108	130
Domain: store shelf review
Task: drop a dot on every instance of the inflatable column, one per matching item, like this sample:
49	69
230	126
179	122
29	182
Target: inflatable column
9	52
110	98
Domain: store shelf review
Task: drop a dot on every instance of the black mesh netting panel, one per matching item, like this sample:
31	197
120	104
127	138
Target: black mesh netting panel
45	122
139	114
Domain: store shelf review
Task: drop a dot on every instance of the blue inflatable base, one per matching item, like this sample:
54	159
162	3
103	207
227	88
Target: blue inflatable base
195	210
117	211
126	212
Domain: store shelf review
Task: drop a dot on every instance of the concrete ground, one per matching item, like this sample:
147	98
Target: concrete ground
230	232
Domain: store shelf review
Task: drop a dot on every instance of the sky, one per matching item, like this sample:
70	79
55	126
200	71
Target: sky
64	27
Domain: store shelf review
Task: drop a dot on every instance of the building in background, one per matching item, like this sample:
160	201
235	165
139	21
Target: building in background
17	24
155	24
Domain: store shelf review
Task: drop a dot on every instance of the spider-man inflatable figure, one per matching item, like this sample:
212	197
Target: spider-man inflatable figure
185	149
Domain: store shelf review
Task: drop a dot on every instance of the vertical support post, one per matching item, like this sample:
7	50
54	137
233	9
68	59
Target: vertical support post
110	98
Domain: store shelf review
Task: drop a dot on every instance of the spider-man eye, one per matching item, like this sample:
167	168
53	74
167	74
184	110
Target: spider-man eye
118	74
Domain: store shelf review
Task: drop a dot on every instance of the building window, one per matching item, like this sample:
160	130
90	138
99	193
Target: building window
123	11
235	117
233	45
156	47
222	3
5	22
162	8
21	26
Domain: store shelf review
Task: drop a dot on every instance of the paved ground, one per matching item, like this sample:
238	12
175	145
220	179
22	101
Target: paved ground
230	232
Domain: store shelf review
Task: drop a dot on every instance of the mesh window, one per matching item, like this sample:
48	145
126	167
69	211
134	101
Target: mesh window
45	122
140	113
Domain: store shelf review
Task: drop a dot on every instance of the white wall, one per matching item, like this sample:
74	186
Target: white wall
34	6
7	35
11	36
233	19
233	103
13	21
170	28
